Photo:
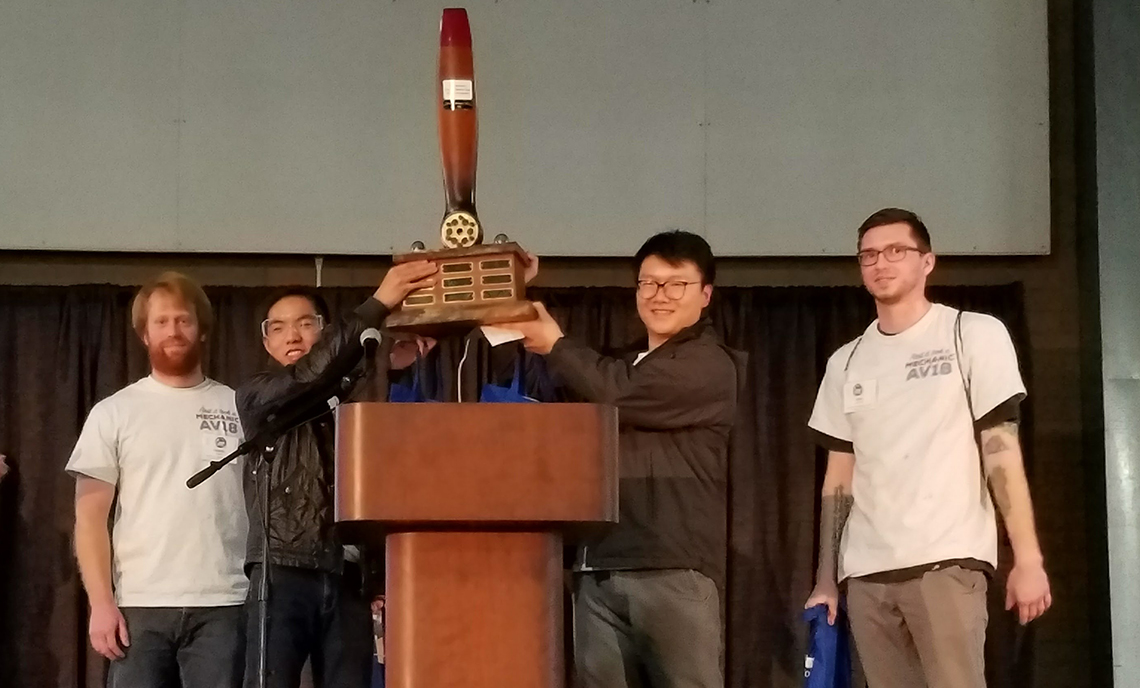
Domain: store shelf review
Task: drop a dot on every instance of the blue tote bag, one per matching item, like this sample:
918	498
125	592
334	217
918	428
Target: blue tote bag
828	661
495	394
405	394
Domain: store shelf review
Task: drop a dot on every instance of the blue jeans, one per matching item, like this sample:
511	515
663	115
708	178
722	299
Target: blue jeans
377	674
192	647
322	617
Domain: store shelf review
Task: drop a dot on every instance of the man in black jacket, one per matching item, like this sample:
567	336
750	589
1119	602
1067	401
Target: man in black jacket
316	608
646	603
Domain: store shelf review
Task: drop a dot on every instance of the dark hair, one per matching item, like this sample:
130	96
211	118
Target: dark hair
892	216
676	246
318	301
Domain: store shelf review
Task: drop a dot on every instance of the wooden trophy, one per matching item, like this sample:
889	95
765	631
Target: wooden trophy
477	284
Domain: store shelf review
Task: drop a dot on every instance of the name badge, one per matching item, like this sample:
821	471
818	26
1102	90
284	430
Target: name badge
860	395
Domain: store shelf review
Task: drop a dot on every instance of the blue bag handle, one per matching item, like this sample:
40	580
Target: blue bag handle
414	394
516	384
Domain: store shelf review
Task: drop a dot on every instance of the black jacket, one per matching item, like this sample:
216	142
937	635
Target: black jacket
675	412
301	495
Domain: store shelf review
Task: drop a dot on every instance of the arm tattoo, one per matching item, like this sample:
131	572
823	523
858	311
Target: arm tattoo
836	508
1002	438
1000	485
994	445
997	442
842	509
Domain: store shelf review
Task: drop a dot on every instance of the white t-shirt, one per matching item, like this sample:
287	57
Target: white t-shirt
171	546
919	488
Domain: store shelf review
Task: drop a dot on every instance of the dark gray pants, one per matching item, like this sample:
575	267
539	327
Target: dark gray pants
192	647
658	629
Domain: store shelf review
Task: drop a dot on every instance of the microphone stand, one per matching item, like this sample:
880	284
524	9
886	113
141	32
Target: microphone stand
268	450
331	392
263	582
268	446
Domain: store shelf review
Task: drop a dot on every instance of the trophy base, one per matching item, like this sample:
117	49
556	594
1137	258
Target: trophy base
433	322
477	285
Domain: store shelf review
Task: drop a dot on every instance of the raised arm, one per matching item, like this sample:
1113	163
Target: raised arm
692	388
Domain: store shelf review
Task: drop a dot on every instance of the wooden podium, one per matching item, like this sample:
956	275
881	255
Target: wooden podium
473	502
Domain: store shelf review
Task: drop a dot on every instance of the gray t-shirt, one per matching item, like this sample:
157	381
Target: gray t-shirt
171	546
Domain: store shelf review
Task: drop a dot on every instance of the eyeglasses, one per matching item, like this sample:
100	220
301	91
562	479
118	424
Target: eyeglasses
893	254
306	324
674	289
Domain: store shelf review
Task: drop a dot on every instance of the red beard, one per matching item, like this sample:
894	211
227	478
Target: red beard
169	359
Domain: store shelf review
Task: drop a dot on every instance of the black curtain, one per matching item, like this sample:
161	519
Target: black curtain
63	349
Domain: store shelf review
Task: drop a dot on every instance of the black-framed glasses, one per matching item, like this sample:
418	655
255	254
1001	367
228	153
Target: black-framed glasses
893	254
674	289
305	324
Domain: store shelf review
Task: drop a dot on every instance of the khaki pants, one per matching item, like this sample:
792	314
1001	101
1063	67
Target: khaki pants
930	631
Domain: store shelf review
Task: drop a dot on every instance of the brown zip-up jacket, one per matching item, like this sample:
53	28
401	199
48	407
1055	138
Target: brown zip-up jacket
676	408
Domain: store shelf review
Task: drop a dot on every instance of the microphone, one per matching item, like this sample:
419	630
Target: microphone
376	388
370	339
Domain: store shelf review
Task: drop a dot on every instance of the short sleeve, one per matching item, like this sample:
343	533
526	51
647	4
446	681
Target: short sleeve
96	453
827	417
990	363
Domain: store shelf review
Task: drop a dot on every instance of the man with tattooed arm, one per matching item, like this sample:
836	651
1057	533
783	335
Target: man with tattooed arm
906	520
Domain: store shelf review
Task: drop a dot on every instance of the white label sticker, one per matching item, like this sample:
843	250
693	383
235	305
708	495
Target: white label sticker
500	335
860	395
458	89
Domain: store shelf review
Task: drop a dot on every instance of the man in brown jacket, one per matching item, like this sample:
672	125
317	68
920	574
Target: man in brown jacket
646	602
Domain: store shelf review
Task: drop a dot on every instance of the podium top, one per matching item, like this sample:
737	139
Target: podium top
491	467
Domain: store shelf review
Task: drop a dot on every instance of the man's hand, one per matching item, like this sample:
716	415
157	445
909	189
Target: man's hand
107	630
825	592
540	334
1028	590
405	351
530	268
3	466
403	279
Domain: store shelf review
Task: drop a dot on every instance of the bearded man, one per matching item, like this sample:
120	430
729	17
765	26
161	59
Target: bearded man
165	581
